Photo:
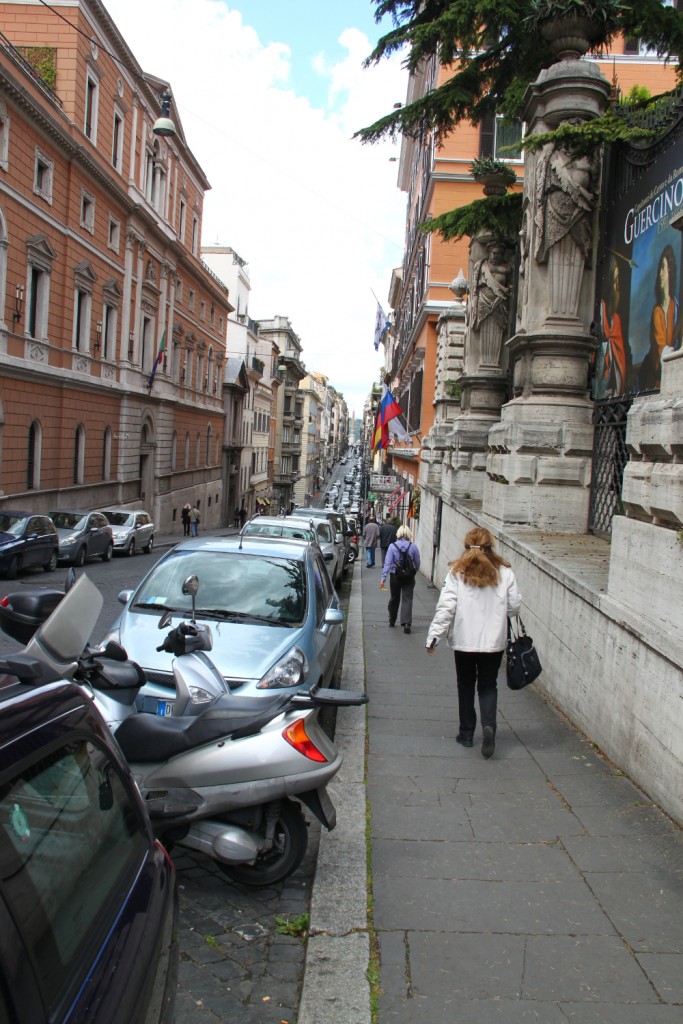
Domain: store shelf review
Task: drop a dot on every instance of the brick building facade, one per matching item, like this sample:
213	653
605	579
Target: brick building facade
101	279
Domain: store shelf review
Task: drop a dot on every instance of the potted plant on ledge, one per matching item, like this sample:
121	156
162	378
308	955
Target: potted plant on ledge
573	27
495	175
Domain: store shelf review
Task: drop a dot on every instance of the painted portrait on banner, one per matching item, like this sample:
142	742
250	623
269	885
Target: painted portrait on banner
640	287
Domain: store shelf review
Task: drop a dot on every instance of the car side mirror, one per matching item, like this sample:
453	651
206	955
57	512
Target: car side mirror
339	538
125	596
334	616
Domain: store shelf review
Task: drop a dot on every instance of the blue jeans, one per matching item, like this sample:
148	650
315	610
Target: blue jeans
370	556
194	528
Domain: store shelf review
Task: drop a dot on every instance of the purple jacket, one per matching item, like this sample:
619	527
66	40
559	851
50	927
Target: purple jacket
394	556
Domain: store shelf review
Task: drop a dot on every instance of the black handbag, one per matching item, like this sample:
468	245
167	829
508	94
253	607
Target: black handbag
523	663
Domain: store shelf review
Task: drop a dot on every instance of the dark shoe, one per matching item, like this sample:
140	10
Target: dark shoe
406	629
392	624
489	743
465	741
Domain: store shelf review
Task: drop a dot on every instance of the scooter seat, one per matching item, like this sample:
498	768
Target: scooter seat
145	738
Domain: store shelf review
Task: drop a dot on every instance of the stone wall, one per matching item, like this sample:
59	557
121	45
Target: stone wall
616	676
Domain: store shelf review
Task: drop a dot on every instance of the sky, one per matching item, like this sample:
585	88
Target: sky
270	93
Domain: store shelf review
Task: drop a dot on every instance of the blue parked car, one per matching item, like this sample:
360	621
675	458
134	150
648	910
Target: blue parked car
270	603
27	541
88	901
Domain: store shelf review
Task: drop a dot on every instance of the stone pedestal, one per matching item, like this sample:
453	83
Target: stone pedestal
538	469
646	560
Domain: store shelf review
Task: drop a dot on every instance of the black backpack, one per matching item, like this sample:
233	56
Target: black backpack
405	570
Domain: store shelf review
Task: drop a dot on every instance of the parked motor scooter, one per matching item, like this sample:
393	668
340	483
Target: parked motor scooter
220	781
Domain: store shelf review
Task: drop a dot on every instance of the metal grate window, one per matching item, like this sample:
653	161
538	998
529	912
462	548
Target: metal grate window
610	455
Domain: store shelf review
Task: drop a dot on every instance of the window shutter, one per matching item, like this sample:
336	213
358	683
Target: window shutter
631	46
487	135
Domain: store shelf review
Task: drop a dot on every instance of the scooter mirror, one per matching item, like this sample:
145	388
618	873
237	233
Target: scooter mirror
191	586
165	620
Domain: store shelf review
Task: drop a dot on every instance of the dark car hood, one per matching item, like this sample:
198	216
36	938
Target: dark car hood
8	538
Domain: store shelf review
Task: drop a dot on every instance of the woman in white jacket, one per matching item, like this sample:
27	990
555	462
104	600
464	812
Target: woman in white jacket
479	594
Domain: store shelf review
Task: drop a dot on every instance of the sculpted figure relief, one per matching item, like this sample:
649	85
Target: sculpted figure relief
565	198
490	301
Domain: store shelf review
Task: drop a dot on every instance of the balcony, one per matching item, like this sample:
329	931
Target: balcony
258	365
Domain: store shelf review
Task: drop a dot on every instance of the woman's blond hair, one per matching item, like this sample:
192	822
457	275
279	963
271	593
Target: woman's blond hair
403	533
479	564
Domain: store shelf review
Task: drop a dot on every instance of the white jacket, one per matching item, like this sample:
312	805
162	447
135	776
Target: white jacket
475	618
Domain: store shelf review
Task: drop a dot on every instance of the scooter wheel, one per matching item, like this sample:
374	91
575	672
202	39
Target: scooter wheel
287	852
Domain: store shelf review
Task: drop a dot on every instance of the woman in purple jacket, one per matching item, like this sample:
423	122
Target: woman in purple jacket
401	572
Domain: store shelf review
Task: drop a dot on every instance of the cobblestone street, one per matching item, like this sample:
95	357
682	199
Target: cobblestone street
234	964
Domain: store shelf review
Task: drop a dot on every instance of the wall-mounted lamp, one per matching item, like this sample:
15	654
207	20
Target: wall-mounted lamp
18	303
98	335
164	125
131	346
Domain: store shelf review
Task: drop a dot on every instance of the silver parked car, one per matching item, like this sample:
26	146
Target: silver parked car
269	602
133	530
318	531
83	535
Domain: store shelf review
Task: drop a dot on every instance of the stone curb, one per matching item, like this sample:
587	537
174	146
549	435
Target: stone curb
335	977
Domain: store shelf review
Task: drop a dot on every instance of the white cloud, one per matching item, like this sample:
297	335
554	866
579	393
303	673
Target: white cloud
317	216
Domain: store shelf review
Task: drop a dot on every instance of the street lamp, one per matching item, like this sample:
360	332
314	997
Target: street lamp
164	125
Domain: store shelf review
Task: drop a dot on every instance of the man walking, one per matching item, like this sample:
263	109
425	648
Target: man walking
370	539
387	536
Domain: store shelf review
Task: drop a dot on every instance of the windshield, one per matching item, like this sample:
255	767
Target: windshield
12	524
278	530
119	518
231	584
324	531
67	520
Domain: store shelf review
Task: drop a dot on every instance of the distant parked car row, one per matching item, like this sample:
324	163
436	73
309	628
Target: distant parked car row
30	541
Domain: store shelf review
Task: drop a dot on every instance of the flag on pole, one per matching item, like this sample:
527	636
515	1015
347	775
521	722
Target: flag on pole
380	438
381	326
157	361
390	410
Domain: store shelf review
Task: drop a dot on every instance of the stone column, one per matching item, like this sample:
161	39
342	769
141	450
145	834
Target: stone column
484	379
539	463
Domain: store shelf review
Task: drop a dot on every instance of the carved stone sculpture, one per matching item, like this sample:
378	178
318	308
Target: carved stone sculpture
490	302
565	199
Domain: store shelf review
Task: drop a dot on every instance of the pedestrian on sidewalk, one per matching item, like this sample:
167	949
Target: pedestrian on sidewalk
401	565
370	539
185	517
387	536
195	519
479	594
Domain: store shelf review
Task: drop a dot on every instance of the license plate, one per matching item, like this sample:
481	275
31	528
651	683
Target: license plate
164	708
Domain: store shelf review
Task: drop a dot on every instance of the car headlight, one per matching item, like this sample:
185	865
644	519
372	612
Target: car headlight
71	539
288	671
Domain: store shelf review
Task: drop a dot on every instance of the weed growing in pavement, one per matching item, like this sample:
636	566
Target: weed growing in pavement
211	940
296	927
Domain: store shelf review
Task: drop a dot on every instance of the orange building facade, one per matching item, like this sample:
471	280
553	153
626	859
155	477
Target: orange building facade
437	179
112	331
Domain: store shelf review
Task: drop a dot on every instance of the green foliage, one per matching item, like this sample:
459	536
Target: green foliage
43	60
453	389
605	14
296	927
636	94
582	139
493	53
489	165
499	215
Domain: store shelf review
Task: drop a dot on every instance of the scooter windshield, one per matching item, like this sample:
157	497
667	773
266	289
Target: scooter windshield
62	638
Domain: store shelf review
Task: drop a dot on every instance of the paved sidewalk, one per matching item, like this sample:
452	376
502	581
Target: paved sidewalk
538	886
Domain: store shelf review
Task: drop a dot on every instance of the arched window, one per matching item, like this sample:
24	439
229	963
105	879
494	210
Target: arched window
79	453
197	450
208	445
3	246
35	444
106	454
187	450
174	451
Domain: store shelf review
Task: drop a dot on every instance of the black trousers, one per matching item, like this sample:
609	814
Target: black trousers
477	670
